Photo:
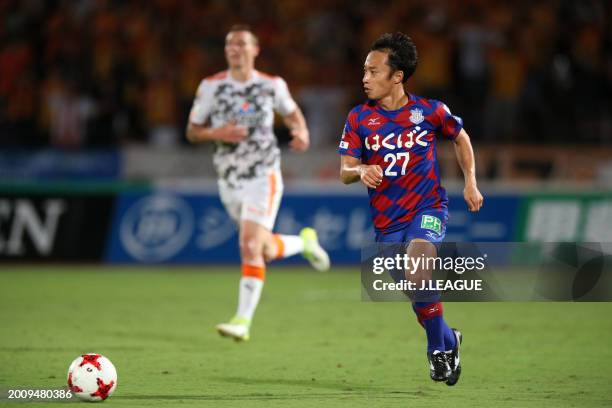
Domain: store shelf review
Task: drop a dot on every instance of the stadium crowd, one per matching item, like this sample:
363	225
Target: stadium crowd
76	74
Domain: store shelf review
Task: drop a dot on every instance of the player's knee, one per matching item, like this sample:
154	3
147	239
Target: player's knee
269	253
250	247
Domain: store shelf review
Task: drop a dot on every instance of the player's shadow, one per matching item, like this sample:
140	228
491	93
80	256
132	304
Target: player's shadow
342	390
307	383
343	387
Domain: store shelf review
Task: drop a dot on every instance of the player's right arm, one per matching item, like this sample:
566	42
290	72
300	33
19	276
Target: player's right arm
197	129
352	170
228	133
351	150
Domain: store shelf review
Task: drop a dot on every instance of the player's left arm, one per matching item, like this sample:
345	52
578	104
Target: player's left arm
465	157
285	105
300	136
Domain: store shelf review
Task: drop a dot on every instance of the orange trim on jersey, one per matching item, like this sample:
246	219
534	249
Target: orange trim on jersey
253	271
280	246
272	181
268	76
217	76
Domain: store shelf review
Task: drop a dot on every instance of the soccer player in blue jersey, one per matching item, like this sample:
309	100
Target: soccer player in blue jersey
389	144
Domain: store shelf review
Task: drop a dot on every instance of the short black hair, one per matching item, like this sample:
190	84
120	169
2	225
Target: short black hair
402	53
244	27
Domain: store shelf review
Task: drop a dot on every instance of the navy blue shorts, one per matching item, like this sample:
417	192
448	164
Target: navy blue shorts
429	225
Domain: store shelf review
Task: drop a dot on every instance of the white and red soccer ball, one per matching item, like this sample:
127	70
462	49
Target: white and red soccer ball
92	377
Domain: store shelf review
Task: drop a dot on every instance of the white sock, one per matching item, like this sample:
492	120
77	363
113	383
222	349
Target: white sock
292	244
248	296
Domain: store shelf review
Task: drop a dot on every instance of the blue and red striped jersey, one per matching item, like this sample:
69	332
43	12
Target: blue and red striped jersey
403	143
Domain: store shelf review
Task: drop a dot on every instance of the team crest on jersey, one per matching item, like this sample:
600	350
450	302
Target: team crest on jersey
247	108
416	116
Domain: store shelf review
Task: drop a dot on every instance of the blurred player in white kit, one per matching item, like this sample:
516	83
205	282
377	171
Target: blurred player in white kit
235	110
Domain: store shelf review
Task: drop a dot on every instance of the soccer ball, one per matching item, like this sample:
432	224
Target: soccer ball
92	377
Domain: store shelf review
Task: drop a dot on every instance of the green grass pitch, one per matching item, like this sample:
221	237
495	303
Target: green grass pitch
314	342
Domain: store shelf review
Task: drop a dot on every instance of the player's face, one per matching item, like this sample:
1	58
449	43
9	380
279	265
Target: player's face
240	49
377	78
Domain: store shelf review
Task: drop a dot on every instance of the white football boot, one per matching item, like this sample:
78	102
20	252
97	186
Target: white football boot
237	328
313	251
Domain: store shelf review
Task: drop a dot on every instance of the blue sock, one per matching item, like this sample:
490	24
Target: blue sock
439	335
450	341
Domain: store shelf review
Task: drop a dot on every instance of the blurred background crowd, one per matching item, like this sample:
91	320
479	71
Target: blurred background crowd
76	74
